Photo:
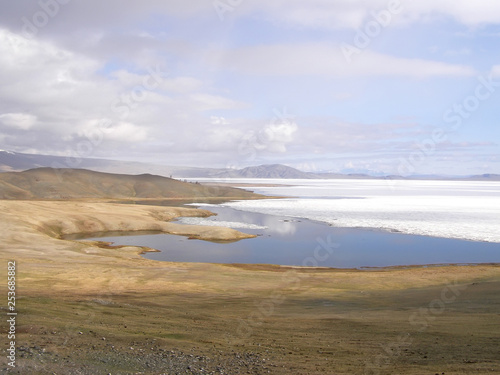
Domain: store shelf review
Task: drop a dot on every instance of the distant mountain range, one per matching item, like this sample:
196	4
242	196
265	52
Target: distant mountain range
12	161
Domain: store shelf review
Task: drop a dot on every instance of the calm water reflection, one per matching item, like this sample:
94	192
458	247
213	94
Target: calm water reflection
288	241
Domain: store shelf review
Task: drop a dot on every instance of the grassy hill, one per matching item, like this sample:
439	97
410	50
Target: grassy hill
49	183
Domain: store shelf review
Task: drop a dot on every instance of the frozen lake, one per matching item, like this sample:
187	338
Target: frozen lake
347	223
468	210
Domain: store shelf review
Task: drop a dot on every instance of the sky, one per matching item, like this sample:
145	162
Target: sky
352	86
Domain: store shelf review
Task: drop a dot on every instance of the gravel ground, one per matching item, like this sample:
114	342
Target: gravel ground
150	359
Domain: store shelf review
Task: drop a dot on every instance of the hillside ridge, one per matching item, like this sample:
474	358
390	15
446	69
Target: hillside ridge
51	183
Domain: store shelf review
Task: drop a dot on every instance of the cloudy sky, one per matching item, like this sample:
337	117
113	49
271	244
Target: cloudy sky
326	85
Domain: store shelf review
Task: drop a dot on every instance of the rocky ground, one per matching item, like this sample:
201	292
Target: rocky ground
139	358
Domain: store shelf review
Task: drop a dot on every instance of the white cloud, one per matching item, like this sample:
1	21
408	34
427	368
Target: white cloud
21	121
206	102
244	139
314	13
127	132
67	95
95	15
495	71
182	85
353	14
469	13
98	130
56	85
214	120
126	78
277	136
321	59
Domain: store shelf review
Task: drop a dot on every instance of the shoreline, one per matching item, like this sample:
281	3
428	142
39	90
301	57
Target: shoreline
373	228
164	223
57	219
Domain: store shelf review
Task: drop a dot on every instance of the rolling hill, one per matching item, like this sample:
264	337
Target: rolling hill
50	183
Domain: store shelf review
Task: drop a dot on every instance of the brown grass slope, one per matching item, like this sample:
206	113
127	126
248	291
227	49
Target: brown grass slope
49	183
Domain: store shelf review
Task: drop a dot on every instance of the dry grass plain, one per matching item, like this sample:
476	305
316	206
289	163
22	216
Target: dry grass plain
89	308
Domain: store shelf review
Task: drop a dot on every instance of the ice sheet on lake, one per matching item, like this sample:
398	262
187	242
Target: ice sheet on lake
217	223
453	209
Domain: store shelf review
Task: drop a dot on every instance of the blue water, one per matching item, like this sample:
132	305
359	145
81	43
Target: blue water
296	242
